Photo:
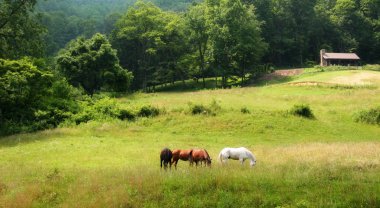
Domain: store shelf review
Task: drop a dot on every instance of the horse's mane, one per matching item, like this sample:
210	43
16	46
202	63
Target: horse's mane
191	155
251	155
208	156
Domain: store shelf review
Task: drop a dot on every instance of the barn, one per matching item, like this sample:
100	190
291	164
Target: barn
347	59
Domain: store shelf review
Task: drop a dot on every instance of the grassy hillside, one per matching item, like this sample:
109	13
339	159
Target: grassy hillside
329	161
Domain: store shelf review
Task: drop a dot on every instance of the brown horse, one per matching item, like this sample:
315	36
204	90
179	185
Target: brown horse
166	157
200	155
181	155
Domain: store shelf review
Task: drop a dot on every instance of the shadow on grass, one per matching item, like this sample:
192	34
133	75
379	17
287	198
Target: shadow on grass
211	84
38	136
190	85
271	80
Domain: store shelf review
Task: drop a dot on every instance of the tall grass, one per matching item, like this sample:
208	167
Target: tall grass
311	175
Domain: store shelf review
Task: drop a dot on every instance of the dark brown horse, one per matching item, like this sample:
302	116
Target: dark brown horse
166	157
200	155
181	155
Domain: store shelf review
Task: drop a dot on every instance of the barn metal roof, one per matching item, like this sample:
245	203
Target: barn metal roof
347	56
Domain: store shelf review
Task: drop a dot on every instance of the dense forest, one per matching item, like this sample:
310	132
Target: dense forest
53	52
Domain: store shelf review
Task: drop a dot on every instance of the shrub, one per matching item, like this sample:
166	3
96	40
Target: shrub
148	111
126	114
33	98
199	109
83	117
302	110
245	110
212	109
371	116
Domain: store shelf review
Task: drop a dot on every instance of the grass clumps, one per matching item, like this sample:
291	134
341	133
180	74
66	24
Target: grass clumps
302	110
372	67
371	116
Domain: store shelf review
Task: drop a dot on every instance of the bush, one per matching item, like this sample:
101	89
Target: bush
212	109
302	110
33	98
199	109
126	114
245	110
148	111
371	116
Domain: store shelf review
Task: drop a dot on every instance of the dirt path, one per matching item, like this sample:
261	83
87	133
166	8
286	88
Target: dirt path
283	73
288	72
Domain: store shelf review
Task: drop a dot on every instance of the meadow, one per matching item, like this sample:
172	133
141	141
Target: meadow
329	161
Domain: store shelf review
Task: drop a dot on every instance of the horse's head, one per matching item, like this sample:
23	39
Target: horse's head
253	162
209	162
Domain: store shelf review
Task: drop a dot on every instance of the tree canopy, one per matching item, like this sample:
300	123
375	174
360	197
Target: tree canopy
93	64
20	32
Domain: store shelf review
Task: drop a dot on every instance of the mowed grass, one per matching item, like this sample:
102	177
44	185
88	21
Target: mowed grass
330	161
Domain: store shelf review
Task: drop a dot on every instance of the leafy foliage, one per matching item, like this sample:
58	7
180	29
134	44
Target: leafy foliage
93	64
149	42
31	98
20	32
148	111
370	116
233	51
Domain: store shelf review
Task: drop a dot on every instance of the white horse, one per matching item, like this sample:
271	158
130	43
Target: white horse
240	154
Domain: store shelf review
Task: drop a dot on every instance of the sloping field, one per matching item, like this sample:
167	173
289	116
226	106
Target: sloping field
329	161
353	77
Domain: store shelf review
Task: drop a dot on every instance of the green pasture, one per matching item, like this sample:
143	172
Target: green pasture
329	161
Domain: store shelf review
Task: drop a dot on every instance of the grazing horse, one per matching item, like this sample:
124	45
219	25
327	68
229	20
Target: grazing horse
166	157
240	154
201	155
181	154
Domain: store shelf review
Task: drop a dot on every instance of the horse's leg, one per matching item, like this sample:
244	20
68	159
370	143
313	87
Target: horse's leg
161	163
175	164
223	161
241	161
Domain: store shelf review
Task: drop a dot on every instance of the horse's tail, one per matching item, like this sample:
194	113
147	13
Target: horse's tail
220	157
